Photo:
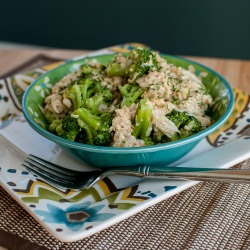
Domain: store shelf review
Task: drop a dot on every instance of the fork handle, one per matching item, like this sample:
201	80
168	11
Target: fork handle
186	173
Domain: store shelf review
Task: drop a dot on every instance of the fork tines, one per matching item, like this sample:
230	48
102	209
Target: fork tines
49	170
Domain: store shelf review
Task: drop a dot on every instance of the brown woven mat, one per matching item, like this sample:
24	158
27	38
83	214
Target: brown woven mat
206	216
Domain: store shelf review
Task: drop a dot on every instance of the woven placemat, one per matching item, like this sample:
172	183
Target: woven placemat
206	216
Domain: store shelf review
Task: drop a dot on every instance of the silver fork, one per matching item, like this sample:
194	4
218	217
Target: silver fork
72	179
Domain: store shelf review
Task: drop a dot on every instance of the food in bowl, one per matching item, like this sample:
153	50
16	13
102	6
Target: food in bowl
137	99
107	156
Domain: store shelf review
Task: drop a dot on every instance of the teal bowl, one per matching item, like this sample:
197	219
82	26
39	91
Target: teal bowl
99	156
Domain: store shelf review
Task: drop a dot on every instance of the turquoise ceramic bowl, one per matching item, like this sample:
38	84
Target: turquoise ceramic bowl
98	156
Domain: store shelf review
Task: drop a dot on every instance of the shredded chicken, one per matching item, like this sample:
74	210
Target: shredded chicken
54	103
65	81
162	123
123	128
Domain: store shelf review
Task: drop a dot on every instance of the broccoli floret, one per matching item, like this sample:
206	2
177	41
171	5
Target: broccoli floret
82	137
85	117
49	116
174	137
148	141
67	128
94	94
191	127
131	93
70	124
74	94
102	139
140	62
88	93
94	69
87	87
142	121
187	124
144	61
94	102
54	125
87	69
102	96
159	137
115	69
70	128
178	118
94	128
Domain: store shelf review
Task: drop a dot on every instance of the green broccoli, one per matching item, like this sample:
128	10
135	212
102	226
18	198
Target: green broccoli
131	93
55	125
102	96
140	62
187	124
74	94
88	93
95	69
178	118
159	137
115	69
87	87
82	137
67	128
144	61
87	69
49	116
142	122
95	128
70	128
192	126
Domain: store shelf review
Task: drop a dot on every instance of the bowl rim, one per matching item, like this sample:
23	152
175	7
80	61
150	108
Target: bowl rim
128	150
